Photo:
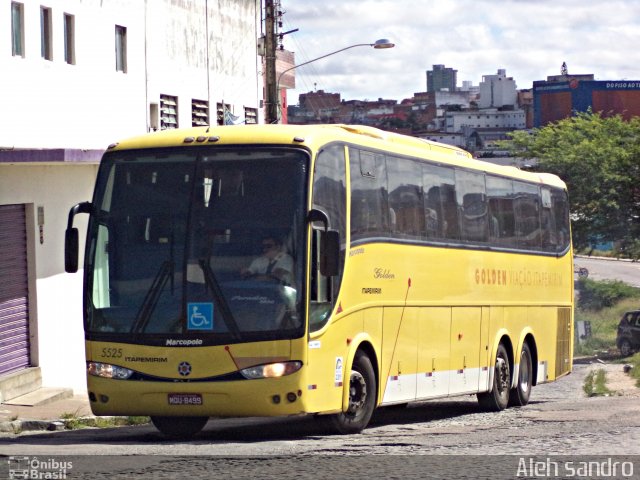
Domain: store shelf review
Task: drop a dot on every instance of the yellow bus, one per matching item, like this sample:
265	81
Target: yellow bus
264	270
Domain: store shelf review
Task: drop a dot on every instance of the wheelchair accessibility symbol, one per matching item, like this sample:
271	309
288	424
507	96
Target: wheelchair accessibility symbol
200	316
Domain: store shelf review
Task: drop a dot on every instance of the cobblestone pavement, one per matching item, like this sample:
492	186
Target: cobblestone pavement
435	439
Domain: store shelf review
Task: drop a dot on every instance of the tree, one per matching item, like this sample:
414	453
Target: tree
599	159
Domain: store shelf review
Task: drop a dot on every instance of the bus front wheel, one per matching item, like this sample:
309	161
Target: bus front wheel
179	426
498	398
362	398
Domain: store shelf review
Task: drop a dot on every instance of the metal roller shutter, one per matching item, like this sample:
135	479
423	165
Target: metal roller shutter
14	291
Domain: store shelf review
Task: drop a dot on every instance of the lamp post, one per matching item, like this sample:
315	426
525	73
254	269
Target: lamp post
378	44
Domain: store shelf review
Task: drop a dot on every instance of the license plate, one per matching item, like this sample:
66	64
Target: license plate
185	399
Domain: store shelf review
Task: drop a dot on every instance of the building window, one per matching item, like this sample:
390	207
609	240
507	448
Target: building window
69	39
17	29
154	117
121	49
46	50
220	109
168	112
199	113
250	115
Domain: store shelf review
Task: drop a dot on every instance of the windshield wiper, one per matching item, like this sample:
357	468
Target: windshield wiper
213	284
151	298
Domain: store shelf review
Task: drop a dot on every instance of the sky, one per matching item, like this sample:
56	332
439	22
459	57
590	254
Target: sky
530	39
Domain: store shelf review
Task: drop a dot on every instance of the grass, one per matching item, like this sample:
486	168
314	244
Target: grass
73	421
635	370
604	327
596	384
605	305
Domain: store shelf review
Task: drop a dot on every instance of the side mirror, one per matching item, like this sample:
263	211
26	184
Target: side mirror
71	237
71	250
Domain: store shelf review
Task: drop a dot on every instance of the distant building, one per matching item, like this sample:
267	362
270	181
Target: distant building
468	86
525	102
285	60
486	118
561	95
315	107
441	78
455	139
497	91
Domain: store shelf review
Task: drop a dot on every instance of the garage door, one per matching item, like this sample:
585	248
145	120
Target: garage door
14	300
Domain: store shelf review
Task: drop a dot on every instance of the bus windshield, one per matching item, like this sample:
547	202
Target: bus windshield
201	244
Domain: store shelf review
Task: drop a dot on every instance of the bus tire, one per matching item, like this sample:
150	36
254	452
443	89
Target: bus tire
179	427
519	396
362	398
498	398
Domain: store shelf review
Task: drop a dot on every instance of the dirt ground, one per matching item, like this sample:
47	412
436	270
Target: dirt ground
618	381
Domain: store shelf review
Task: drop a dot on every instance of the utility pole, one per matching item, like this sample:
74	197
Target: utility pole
271	88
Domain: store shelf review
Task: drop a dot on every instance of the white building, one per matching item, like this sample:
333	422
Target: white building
77	76
455	139
446	99
497	91
488	118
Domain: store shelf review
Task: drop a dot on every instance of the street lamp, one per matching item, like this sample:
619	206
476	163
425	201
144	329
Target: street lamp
378	44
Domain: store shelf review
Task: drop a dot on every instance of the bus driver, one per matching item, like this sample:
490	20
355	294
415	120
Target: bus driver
274	263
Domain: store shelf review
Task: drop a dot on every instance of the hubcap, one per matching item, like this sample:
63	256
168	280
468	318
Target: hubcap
357	393
625	348
502	371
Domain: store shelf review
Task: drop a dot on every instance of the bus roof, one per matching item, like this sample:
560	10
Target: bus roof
314	136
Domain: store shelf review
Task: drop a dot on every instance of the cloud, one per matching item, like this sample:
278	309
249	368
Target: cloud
528	38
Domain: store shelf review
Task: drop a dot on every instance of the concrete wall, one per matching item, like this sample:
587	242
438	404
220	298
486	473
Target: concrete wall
57	340
183	61
205	50
86	105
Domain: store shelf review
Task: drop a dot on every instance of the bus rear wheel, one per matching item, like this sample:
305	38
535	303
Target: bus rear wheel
180	427
519	396
498	398
362	398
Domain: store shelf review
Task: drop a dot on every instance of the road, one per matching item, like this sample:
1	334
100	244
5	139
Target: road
611	269
449	439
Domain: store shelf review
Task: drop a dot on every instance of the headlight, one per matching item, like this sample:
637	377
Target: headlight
106	370
271	370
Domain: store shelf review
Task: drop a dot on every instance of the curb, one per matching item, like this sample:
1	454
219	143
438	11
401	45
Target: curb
26	425
611	259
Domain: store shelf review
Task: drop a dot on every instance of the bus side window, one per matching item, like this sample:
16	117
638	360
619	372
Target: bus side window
527	209
438	183
501	215
472	206
560	208
370	213
549	237
405	197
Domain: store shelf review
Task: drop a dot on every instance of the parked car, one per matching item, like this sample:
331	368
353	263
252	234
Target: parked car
628	339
